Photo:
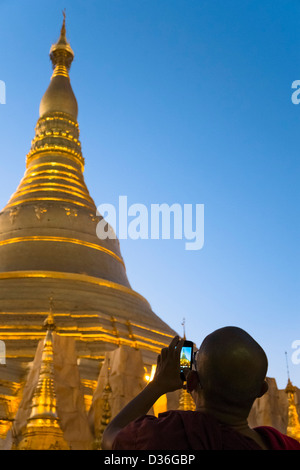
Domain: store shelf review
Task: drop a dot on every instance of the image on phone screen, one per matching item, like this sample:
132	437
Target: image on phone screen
186	357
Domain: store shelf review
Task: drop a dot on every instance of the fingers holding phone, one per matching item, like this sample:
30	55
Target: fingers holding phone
168	366
186	359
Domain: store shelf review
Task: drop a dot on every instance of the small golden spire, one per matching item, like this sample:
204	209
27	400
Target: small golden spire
44	398
293	426
43	431
186	402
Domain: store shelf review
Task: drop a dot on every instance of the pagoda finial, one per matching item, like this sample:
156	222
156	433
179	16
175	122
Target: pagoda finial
61	53
49	323
63	28
287	366
183	326
59	96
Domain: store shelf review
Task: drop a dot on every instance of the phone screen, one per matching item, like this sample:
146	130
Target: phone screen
186	357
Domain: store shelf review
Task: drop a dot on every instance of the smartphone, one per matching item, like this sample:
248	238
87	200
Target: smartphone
186	357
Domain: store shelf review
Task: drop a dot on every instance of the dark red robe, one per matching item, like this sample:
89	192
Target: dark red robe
193	430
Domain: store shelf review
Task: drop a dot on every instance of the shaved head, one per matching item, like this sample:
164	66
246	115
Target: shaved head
231	367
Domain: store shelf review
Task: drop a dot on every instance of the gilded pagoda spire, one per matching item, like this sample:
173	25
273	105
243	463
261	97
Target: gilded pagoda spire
44	398
43	431
51	216
293	426
59	96
186	402
55	162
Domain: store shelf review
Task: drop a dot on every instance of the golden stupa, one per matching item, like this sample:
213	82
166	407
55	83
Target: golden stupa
59	389
49	248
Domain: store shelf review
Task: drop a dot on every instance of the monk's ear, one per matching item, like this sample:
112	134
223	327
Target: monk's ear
192	381
264	389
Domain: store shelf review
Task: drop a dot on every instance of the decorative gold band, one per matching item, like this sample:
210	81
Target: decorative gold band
75	241
48	150
52	169
52	187
58	115
58	135
50	199
59	176
60	70
73	277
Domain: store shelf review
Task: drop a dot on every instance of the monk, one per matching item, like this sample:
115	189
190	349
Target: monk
229	374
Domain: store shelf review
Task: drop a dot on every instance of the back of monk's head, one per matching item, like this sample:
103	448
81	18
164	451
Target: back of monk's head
232	367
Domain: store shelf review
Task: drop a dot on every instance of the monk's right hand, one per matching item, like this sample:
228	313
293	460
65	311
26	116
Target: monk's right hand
167	376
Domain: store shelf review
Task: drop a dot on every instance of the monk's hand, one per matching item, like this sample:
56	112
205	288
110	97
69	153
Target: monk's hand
167	376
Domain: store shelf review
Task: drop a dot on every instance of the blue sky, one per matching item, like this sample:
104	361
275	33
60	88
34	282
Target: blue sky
189	102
